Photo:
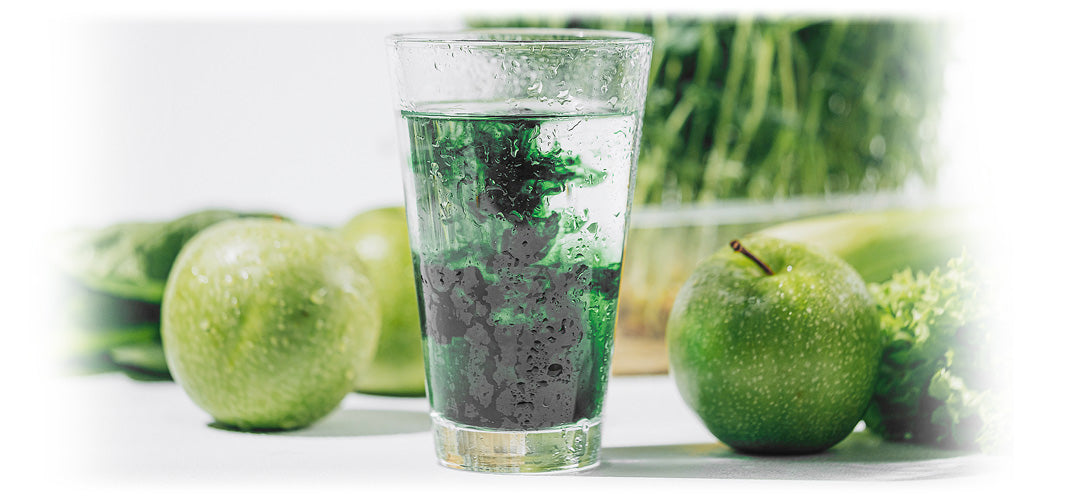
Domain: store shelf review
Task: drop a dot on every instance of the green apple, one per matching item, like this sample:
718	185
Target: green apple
266	323
776	350
381	239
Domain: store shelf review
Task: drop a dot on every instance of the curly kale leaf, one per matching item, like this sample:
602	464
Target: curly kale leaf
935	384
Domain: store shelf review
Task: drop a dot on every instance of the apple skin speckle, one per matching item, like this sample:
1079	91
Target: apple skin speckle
776	364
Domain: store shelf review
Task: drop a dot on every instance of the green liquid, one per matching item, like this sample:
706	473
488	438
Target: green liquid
517	237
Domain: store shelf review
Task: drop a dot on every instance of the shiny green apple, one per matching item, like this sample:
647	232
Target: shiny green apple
775	347
266	324
381	239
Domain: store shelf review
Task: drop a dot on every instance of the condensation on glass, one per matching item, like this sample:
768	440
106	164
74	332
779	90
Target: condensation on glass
519	149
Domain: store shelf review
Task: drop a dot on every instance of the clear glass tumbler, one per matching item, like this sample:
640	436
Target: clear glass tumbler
520	148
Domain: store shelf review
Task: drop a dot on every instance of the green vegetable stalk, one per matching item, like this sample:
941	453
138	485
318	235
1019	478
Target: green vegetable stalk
773	108
937	382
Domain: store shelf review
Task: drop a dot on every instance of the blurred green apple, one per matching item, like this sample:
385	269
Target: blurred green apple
381	239
776	350
266	323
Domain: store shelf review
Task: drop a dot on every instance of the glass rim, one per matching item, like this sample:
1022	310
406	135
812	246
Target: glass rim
521	37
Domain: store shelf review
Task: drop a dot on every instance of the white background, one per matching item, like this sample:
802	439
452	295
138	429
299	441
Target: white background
292	113
287	115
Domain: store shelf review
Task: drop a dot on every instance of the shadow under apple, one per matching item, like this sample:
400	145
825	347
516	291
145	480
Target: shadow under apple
351	422
860	457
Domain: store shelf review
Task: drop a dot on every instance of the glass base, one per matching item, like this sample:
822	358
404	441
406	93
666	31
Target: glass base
570	447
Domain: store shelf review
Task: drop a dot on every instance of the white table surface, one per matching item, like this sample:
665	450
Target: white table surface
135	436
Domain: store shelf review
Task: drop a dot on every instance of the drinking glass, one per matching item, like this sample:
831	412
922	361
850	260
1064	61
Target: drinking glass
520	148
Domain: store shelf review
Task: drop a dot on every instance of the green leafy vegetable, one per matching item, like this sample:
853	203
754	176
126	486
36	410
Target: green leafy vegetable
144	361
132	260
114	280
936	382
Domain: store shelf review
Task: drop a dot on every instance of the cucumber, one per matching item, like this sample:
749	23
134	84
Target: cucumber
878	244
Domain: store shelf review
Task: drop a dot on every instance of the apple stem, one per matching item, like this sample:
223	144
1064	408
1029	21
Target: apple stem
735	245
